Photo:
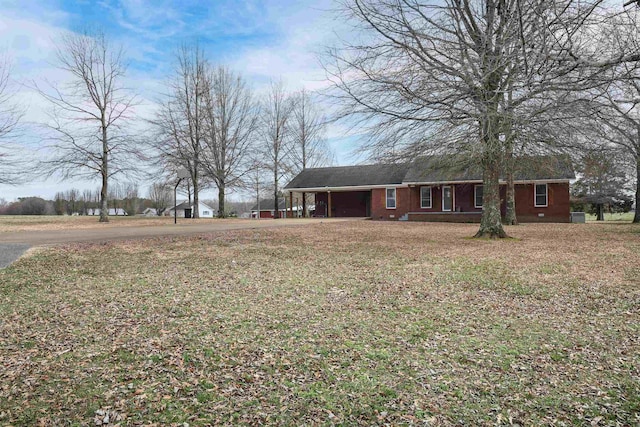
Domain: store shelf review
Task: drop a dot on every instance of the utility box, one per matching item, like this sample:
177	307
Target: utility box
578	217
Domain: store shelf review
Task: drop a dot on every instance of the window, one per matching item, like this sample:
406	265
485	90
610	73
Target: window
477	195
391	198
205	213
425	197
540	200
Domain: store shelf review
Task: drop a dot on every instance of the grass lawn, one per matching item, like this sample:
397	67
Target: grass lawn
622	217
356	323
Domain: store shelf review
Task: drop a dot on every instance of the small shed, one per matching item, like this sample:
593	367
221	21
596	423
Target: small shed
186	210
265	208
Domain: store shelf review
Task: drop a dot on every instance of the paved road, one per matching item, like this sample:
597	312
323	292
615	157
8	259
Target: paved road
13	244
11	252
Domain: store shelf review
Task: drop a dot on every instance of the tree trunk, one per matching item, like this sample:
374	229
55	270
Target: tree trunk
196	205
510	217
600	212
491	221
636	216
276	213
221	208
104	207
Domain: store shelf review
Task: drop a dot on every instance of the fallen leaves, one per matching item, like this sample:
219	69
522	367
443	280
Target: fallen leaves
363	323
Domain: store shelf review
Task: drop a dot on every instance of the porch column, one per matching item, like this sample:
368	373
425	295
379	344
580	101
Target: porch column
453	198
329	203
304	205
291	202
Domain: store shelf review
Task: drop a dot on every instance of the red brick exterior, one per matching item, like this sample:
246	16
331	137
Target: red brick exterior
558	208
408	202
269	215
379	204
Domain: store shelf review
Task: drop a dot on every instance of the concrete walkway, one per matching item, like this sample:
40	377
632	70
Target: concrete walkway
13	244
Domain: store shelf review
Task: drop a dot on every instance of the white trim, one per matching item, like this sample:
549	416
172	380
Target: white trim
535	194
475	196
430	197
395	197
442	197
347	188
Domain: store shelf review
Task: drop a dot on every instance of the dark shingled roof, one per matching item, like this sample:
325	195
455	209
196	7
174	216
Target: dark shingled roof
528	168
428	169
350	176
267	205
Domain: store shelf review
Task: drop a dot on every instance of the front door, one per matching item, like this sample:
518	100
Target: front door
447	198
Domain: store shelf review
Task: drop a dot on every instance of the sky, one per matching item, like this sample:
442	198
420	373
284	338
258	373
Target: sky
263	39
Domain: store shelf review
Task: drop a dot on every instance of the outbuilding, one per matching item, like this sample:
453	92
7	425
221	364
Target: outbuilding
186	209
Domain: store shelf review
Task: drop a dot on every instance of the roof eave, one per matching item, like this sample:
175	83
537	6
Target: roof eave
343	188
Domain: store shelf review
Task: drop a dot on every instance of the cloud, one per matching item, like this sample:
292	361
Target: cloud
263	40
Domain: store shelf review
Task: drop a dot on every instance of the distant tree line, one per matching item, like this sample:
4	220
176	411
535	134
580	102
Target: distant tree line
27	206
210	123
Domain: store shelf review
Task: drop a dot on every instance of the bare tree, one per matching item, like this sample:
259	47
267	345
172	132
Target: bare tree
160	196
432	76
255	181
10	115
230	124
180	125
309	146
72	197
89	114
275	131
617	106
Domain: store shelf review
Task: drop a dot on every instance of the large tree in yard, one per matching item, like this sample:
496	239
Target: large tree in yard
275	144
230	122
309	146
180	123
89	113
10	115
450	76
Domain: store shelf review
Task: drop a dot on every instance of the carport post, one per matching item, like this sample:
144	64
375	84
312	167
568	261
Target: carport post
304	204
329	203
291	202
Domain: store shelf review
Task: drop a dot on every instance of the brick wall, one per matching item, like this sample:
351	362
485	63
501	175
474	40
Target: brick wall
379	204
558	209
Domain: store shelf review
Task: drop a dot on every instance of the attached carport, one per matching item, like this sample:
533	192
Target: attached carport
343	204
342	192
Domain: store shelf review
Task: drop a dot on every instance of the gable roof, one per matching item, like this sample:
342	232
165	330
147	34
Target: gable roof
350	176
428	169
527	168
267	205
187	205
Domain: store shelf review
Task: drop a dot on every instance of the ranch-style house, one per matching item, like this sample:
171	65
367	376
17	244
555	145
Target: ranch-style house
433	188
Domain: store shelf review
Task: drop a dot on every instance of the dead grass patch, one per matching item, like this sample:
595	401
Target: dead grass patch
359	323
44	223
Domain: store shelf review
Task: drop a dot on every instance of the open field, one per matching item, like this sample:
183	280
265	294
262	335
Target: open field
354	323
10	223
